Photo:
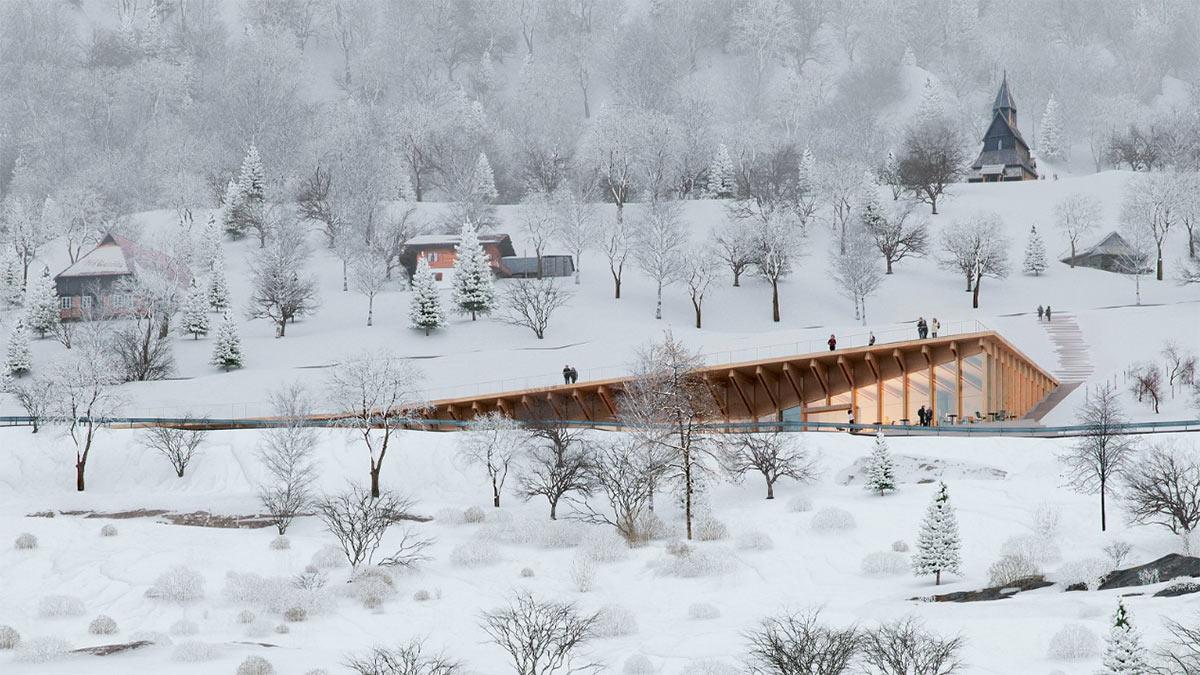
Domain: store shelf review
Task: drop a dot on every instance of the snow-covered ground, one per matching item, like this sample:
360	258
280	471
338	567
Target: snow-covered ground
996	483
803	569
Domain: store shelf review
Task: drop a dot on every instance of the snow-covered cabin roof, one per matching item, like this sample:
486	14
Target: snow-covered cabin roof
1111	244
502	241
117	256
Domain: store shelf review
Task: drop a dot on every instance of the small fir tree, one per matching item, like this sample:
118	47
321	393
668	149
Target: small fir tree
881	473
10	277
1035	254
473	291
1051	144
232	205
227	347
485	180
41	304
426	309
938	545
1123	651
209	247
218	290
721	179
195	311
19	359
244	208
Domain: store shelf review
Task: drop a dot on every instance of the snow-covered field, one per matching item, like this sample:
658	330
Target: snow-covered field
997	484
803	569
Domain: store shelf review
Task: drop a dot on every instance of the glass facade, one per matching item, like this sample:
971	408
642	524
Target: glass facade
945	397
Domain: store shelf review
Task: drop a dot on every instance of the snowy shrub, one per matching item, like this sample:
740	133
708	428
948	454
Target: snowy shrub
1072	642
295	614
328	558
422	595
9	637
193	651
178	584
41	650
282	629
1116	551
108	531
900	546
372	586
246	616
708	528
280	543
1148	577
1033	548
1088	571
255	665
153	636
526	573
637	665
583	573
449	517
1045	521
1011	568
614	621
475	553
650	526
603	545
800	504
710	667
699	562
678	547
184	627
25	542
278	594
311	579
54	606
473	515
102	625
755	540
703	611
885	564
832	519
540	532
317	671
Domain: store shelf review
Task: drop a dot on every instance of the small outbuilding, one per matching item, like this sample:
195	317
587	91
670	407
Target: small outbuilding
526	267
1112	254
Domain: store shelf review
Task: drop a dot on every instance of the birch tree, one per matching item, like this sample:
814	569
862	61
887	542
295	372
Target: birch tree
659	249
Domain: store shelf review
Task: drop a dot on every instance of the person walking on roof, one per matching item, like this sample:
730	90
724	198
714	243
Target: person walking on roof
566	374
935	326
922	328
832	342
574	375
871	339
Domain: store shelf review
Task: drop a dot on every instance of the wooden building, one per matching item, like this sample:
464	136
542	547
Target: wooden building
1005	154
92	283
972	377
1112	254
439	251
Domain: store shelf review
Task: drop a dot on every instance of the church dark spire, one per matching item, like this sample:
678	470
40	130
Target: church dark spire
1005	105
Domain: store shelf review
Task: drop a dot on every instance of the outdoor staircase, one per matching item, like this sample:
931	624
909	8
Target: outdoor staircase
1074	362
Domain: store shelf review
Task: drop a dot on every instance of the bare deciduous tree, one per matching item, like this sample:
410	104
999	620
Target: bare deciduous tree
557	462
531	303
905	647
358	519
774	455
492	441
1181	364
542	637
659	249
1145	381
617	245
86	397
575	221
286	452
619	471
35	396
407	659
376	394
180	444
931	159
1151	205
1163	487
898	234
1076	215
1180	654
856	271
977	249
777	242
368	276
799	644
698	270
1102	453
735	247
281	287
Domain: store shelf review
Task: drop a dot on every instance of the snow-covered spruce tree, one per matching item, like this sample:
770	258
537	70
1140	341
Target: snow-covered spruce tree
722	183
473	292
244	208
484	181
1123	651
1035	254
10	277
41	304
218	289
1051	143
227	347
881	472
18	359
208	249
938	543
195	312
425	311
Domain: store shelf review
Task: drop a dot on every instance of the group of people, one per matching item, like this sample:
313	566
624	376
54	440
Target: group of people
1043	312
925	330
924	416
832	341
570	375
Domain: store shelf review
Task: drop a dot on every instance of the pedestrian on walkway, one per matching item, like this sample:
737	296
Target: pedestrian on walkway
922	328
871	339
1041	312
574	375
1047	313
567	374
832	342
935	326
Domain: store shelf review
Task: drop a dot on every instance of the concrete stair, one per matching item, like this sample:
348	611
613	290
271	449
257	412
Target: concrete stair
1074	361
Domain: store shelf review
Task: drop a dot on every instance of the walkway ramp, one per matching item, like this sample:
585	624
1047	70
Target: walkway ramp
1074	361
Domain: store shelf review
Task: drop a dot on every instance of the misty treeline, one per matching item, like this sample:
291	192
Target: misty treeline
123	105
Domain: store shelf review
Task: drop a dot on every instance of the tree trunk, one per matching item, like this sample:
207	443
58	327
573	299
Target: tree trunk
553	508
1103	519
345	282
968	273
283	327
975	293
775	300
658	302
770	489
889	265
616	286
687	495
737	278
697	306
1072	263
375	480
1159	266
937	578
495	494
370	310
80	465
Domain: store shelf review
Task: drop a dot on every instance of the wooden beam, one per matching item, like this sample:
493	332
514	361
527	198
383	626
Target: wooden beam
847	369
504	407
712	389
822	374
603	393
736	378
797	386
587	414
875	370
770	385
554	405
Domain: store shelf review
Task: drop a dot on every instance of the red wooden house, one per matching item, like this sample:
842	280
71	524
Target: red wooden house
438	251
